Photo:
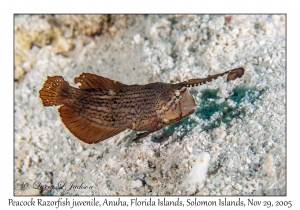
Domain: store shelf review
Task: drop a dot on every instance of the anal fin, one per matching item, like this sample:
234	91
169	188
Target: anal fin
84	129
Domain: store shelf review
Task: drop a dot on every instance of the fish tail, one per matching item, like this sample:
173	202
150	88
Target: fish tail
55	91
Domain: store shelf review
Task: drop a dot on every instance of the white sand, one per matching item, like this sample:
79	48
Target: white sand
241	123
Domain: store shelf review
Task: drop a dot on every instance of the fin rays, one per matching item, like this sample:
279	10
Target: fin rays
232	75
88	81
54	91
84	129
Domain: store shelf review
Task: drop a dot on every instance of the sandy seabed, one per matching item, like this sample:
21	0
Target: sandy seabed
241	123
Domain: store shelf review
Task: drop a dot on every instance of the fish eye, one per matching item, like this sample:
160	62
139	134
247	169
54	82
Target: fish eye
177	97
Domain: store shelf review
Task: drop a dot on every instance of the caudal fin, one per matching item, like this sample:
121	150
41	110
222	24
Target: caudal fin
55	91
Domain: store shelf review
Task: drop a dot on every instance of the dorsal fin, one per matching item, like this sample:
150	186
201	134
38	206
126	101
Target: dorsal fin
84	129
232	75
88	81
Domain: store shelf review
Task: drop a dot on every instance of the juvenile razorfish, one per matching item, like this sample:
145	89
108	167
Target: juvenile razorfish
102	108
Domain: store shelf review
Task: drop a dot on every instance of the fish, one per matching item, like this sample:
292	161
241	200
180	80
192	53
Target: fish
101	108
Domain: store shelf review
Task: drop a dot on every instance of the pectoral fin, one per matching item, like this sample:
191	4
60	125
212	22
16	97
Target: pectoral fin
84	129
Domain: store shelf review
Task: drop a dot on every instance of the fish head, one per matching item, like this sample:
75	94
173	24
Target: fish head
178	106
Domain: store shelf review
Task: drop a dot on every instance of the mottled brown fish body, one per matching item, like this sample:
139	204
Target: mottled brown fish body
135	107
102	108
